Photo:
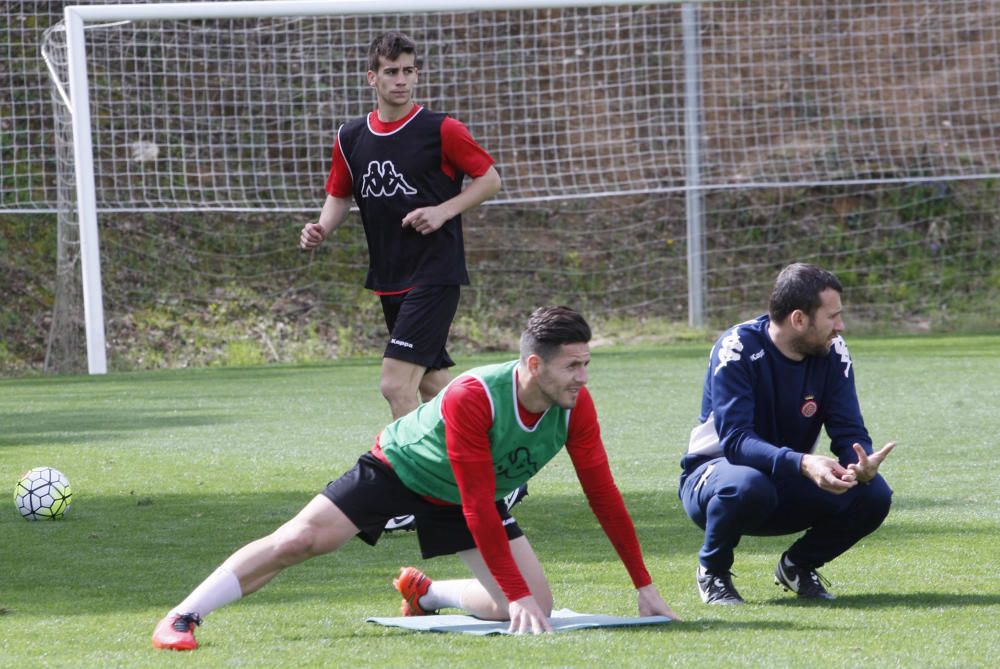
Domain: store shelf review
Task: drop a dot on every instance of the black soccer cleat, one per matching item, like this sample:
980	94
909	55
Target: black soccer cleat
516	495
803	582
401	524
717	587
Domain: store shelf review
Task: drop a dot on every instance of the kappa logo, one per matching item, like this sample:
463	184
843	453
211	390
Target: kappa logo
840	346
704	477
729	350
382	180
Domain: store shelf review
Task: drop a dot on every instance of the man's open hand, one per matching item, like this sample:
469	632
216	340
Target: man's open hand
866	468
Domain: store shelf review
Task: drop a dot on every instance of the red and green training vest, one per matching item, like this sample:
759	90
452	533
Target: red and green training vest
415	443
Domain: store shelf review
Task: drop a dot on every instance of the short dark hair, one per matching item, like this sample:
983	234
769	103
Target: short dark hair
798	287
389	46
549	328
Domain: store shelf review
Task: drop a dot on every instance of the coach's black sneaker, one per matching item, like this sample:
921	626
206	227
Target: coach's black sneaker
717	588
516	495
401	524
803	582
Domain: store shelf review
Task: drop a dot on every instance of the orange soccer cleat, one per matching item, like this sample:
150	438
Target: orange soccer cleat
176	632
412	585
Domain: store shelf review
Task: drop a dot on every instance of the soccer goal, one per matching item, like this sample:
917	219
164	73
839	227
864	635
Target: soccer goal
658	158
515	74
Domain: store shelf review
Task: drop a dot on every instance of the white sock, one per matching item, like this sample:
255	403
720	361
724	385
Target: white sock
219	589
445	595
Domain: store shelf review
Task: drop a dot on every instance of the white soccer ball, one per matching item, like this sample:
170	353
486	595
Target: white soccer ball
43	492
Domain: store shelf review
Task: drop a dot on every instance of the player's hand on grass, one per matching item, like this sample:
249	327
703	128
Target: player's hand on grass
527	617
651	604
426	219
311	236
827	473
866	468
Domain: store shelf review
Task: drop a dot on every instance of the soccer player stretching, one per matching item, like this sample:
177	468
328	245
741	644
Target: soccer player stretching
450	463
771	384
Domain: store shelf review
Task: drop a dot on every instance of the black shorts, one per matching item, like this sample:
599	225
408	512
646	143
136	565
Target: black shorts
371	493
418	322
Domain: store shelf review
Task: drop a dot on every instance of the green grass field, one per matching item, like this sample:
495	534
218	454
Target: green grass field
172	471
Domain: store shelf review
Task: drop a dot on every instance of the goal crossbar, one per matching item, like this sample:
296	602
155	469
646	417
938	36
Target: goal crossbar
241	9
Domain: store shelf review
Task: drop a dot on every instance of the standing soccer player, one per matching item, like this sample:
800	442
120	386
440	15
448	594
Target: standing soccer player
772	384
450	463
404	166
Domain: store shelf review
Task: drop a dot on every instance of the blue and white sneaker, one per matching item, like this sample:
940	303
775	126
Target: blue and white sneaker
717	587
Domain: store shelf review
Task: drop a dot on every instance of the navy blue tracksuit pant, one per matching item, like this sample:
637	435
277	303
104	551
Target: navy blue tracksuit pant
729	501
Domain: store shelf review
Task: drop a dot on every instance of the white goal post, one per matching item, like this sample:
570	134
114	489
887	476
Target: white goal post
78	16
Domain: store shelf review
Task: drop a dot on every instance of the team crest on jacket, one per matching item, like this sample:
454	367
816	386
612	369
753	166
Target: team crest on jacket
383	180
809	407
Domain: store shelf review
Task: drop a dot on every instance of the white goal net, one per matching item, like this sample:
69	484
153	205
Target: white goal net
240	114
816	131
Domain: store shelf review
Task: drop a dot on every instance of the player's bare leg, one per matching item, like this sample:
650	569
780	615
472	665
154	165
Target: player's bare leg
433	382
399	385
483	597
480	596
320	527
